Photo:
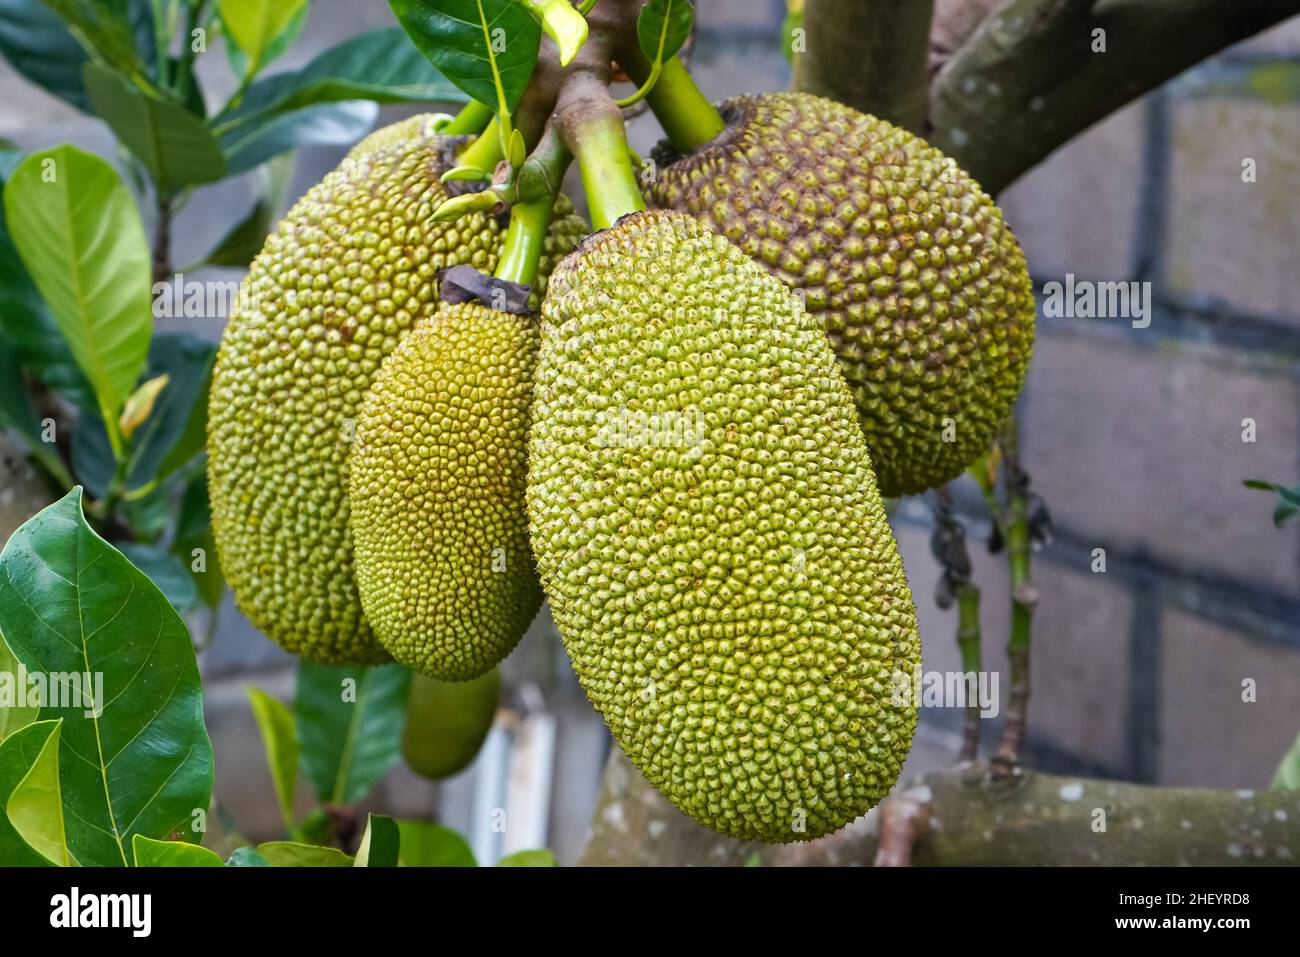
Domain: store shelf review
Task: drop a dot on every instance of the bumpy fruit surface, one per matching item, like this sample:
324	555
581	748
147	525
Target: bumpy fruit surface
910	267
437	481
446	722
351	269
707	528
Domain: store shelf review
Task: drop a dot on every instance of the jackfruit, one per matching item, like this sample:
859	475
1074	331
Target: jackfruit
707	529
910	267
446	723
438	470
351	269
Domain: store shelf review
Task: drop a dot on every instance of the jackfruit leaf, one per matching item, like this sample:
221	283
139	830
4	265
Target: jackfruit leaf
380	66
78	233
379	845
170	436
327	124
17	414
13	716
432	845
194	544
291	854
280	741
25	320
1287	777
662	27
136	758
39	46
151	853
540	858
166	571
119	33
246	857
254	25
274	50
29	768
349	726
172	143
1288	504
488	48
246	239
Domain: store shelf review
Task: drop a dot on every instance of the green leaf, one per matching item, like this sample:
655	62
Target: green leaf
488	48
1287	777
22	753
432	845
379	845
35	806
252	144
349	726
291	854
246	857
38	45
151	853
166	571
172	143
13	716
276	49
541	858
255	24
246	239
280	741
662	27
81	240
194	533
26	322
139	761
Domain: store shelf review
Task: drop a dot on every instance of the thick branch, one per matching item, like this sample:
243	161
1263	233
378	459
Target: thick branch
1029	819
1033	76
870	54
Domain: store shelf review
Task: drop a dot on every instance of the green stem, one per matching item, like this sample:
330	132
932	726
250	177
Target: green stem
685	113
470	121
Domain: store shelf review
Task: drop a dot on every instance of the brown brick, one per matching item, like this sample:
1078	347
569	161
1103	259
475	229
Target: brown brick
1208	735
1141	446
1229	241
1078	211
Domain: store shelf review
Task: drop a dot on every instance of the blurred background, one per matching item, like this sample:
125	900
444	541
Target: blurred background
1133	437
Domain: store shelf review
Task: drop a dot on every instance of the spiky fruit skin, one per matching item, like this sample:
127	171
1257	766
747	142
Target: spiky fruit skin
729	591
351	269
910	267
437	480
446	723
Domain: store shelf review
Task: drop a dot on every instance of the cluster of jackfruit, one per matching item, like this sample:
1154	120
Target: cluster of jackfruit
822	310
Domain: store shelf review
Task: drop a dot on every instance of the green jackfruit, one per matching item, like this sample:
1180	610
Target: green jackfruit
446	723
707	528
910	267
437	490
351	269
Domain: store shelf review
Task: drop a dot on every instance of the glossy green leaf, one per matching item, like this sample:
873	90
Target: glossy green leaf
349	726
247	237
432	845
151	853
662	27
25	751
139	760
379	844
464	39
16	712
246	857
280	742
1287	776
330	124
275	49
255	24
540	858
291	854
166	571
25	320
172	143
77	230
